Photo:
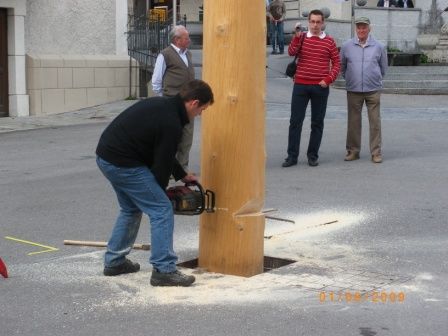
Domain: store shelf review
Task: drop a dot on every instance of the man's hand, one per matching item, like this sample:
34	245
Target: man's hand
323	84
190	177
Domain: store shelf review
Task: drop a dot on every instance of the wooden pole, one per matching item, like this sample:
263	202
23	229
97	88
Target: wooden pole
102	244
233	130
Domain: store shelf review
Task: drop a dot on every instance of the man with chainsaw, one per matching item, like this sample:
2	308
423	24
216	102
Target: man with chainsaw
136	153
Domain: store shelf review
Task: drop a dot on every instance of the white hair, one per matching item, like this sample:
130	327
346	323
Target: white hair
177	32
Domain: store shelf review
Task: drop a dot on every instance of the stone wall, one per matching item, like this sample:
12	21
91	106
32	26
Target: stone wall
57	83
395	27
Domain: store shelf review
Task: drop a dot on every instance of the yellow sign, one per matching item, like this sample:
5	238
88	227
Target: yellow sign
158	13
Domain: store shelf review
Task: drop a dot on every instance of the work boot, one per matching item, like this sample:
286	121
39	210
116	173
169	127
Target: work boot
377	158
126	267
351	156
175	278
289	162
313	162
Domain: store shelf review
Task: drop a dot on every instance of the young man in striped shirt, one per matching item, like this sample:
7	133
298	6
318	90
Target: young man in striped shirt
318	66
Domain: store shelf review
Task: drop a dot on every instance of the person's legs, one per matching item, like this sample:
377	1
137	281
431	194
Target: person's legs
373	111
355	100
139	187
299	102
124	232
127	224
184	147
153	201
281	37
273	29
319	97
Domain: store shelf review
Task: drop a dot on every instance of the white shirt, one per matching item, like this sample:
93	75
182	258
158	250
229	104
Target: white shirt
321	35
386	3
160	68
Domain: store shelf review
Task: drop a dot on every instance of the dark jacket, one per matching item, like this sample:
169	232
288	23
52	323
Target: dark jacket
409	3
147	134
392	3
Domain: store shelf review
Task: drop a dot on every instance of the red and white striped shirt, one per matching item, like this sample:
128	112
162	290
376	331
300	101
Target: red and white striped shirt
318	59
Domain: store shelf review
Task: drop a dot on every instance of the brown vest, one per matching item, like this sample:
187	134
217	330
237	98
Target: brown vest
177	73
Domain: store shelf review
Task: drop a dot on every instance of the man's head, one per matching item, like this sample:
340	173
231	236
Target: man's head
362	28
315	21
180	37
197	95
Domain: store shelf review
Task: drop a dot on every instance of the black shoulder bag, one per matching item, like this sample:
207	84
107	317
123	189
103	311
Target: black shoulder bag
292	67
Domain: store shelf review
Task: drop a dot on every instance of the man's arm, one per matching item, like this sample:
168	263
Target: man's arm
164	162
343	61
293	47
271	18
284	12
335	66
383	61
157	76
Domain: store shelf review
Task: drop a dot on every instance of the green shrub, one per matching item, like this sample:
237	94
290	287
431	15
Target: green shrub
424	59
390	49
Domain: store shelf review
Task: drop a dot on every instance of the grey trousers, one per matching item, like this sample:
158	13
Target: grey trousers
183	149
355	101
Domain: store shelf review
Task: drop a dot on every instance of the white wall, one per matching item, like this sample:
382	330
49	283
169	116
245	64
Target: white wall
190	8
85	27
18	98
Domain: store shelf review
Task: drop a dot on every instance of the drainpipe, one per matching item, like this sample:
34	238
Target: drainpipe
174	12
352	24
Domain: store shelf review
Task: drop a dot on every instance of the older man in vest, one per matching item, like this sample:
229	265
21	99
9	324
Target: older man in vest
174	68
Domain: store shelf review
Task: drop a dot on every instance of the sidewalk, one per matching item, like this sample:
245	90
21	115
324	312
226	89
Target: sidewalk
96	114
278	97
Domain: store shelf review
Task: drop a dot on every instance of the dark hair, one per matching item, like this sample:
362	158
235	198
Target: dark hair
197	90
316	12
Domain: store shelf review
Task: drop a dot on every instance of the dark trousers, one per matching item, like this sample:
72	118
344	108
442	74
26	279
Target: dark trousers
277	34
301	95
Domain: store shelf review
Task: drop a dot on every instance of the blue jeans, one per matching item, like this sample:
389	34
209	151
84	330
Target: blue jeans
138	192
277	29
301	95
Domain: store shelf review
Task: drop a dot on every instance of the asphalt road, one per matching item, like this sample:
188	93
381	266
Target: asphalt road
387	234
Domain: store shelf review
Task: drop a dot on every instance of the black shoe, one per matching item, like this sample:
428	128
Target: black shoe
175	278
313	162
281	52
274	52
289	162
126	267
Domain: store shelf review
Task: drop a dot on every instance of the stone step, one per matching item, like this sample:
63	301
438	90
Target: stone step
423	69
430	84
416	91
424	87
415	76
410	91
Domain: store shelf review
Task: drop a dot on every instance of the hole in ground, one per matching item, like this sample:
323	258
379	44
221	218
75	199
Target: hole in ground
269	263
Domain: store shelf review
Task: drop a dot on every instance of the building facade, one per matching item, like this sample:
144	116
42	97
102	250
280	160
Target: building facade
60	55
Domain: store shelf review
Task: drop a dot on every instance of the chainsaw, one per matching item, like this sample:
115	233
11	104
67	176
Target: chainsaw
191	199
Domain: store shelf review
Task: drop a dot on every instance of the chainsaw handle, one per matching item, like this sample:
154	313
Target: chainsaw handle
207	197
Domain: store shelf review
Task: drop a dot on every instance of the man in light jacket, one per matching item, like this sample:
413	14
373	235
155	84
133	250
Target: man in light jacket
363	65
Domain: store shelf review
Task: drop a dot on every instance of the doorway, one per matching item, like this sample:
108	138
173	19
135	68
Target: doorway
4	104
